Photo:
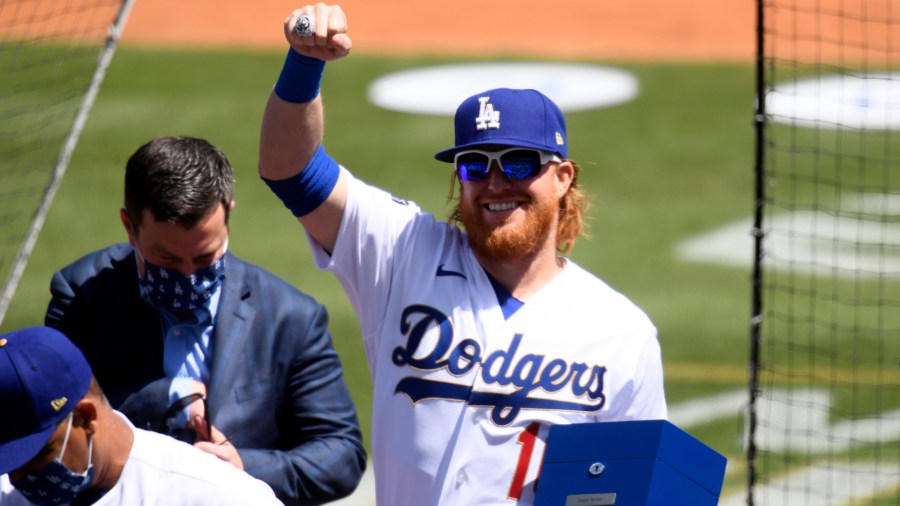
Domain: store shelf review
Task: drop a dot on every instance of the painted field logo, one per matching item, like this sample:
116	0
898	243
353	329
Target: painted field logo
439	90
864	243
861	101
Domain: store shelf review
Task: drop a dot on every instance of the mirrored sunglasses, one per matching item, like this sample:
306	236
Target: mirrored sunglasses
516	163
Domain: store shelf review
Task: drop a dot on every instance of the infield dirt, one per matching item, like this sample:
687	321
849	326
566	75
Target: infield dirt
595	29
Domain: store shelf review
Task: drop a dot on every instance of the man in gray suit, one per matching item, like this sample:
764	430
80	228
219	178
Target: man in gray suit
189	340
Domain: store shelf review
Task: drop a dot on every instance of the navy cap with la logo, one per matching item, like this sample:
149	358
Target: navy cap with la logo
506	117
42	376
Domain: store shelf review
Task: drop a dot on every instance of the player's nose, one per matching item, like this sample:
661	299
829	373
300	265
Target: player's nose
496	178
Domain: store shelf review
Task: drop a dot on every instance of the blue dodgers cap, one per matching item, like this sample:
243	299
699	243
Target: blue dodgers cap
508	117
42	377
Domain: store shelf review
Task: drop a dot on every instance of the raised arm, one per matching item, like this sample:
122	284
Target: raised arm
291	160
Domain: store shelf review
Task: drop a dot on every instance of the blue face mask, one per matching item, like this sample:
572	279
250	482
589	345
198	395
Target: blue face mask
171	290
55	483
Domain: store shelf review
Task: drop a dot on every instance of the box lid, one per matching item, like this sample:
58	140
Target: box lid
640	439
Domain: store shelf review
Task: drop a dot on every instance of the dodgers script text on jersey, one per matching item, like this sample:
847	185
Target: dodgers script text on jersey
527	372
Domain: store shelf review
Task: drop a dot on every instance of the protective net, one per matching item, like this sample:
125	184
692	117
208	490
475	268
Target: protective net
825	411
53	55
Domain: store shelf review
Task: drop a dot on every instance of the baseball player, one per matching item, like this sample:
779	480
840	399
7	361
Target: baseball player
477	340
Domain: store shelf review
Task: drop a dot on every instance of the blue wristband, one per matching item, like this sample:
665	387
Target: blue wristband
300	79
306	191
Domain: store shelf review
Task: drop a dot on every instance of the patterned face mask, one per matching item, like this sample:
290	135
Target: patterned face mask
56	483
171	290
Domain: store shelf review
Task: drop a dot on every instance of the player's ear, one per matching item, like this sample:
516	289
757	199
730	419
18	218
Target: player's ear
129	227
85	415
564	175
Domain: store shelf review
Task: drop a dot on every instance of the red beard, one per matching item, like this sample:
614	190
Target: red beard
510	242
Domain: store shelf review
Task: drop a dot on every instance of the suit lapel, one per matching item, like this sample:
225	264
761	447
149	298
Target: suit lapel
231	333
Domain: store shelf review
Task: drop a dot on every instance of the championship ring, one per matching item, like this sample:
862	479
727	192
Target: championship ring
306	26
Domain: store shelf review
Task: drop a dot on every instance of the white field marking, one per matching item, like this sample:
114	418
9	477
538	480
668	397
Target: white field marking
875	204
812	241
863	101
439	90
702	410
798	421
790	419
827	483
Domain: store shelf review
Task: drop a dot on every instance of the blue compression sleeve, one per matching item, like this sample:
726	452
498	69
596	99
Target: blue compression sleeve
300	79
306	191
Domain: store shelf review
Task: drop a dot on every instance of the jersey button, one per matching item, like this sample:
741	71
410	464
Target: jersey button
461	477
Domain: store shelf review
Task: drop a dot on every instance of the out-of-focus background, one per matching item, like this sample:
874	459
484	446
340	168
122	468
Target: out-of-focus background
639	29
669	166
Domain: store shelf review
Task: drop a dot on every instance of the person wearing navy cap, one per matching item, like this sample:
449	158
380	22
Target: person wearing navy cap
480	334
61	442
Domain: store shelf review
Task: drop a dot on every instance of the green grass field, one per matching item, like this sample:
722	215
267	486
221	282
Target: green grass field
675	162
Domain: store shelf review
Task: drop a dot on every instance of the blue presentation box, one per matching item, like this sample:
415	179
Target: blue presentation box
649	462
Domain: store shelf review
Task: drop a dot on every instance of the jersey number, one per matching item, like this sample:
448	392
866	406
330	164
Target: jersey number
526	438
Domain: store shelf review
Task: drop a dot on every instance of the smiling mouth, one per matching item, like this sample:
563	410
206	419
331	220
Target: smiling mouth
502	206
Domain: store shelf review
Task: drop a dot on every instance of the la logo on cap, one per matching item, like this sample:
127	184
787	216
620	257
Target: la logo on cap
487	116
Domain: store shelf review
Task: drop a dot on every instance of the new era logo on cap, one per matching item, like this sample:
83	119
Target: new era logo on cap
58	403
42	377
508	117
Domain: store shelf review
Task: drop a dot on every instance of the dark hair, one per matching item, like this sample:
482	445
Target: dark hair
179	179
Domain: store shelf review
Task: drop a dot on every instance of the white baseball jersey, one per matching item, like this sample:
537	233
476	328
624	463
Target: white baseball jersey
162	471
463	397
